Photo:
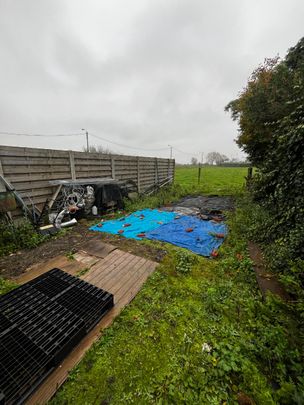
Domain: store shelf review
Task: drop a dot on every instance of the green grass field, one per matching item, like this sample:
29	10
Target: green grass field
217	180
198	332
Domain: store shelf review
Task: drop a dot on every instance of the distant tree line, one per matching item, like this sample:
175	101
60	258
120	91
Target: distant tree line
216	158
98	149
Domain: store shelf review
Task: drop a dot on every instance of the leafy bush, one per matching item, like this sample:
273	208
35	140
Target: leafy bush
270	113
18	236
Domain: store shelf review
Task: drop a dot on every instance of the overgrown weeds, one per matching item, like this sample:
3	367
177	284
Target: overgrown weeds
258	224
197	333
6	286
18	236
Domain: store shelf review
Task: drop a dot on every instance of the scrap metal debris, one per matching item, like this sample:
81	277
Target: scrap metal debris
75	199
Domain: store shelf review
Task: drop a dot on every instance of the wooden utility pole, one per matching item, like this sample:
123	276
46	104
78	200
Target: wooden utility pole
199	173
199	167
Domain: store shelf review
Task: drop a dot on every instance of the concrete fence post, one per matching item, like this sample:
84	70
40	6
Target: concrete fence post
2	186
156	172
138	175
72	165
113	167
168	163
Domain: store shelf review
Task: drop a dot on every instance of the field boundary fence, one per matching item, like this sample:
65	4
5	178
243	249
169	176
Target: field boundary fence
30	170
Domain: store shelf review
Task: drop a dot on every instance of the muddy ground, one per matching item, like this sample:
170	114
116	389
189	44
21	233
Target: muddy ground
16	263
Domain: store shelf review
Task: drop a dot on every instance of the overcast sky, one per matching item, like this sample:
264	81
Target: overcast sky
143	73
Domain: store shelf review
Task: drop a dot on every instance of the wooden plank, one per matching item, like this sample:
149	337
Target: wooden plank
94	174
31	152
36	193
30	185
128	292
92	166
60	261
36	161
122	279
86	260
36	200
97	156
124	158
126	166
110	260
10	170
99	173
103	170
97	247
114	260
125	171
123	296
54	196
117	271
91	159
19	178
147	181
31	169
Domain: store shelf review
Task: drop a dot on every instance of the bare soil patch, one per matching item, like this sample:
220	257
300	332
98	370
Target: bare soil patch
267	281
15	264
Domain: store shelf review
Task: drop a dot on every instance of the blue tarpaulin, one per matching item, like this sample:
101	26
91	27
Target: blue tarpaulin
140	222
201	239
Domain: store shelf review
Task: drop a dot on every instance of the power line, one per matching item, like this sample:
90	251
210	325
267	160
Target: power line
124	146
39	135
97	137
186	153
79	134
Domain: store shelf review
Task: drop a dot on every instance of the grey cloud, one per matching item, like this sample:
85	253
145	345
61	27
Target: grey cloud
163	79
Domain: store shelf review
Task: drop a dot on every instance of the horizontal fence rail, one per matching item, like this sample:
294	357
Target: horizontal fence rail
30	170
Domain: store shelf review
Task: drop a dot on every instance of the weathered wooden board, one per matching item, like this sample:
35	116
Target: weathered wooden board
98	248
30	169
120	273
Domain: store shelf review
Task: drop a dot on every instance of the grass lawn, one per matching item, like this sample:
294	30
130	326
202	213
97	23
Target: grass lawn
217	180
198	332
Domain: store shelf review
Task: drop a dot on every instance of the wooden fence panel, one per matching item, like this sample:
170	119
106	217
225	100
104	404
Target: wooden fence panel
30	170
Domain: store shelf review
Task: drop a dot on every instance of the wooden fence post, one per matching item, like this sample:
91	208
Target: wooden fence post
249	177
72	165
199	173
113	167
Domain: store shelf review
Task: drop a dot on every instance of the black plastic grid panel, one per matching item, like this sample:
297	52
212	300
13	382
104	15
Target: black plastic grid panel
22	363
40	322
47	323
80	297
